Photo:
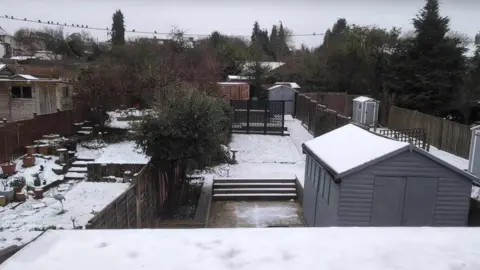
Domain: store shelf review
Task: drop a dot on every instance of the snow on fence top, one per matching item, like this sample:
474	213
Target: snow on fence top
241	249
350	146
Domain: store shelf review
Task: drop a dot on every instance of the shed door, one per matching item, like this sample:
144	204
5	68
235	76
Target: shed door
370	113
420	200
388	195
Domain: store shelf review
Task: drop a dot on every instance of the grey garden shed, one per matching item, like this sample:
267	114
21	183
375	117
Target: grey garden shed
365	111
354	177
284	93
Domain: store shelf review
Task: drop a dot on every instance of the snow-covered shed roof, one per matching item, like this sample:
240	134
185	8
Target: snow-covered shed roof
3	32
351	148
280	86
2	66
363	99
293	85
344	248
236	77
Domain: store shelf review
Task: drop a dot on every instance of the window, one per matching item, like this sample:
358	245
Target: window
66	92
16	92
27	92
22	92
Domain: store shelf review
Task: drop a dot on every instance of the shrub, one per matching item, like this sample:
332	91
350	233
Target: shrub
191	128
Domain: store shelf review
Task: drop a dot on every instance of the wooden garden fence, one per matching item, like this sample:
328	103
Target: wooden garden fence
444	134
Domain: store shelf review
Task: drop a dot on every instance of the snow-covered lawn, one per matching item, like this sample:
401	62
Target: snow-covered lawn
116	153
246	249
48	163
27	220
123	119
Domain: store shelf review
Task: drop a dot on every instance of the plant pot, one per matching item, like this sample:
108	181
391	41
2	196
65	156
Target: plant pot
38	193
3	200
28	161
19	188
9	168
43	149
30	150
9	194
20	197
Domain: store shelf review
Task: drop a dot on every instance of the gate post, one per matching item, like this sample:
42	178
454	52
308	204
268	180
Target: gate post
265	116
248	116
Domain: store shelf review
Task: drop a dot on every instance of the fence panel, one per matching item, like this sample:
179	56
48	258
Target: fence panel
14	136
262	116
444	134
318	119
142	204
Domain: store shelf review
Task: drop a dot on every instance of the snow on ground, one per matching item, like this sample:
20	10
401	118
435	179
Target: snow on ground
20	225
242	249
116	153
123	119
48	163
264	149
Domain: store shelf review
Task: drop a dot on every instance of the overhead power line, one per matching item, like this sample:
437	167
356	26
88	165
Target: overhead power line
107	29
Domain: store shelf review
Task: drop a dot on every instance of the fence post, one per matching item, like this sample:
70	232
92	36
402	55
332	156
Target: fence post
126	210
283	116
295	98
248	116
116	214
265	117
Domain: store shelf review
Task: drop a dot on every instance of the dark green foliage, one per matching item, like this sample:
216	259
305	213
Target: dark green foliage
118	28
192	128
430	67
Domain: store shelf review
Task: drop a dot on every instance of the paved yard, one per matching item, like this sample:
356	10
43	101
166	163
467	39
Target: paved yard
256	214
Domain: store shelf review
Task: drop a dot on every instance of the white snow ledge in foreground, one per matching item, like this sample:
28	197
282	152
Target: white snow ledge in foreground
242	249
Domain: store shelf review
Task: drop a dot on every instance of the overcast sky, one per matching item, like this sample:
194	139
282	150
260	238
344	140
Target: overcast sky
235	17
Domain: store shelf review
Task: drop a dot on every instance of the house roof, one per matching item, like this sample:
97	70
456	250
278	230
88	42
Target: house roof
293	85
363	99
280	86
270	65
341	248
3	32
232	83
356	148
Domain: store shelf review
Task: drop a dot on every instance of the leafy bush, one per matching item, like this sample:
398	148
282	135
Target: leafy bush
191	128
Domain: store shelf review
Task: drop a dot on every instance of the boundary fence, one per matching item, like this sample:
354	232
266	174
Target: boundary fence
444	134
14	136
317	118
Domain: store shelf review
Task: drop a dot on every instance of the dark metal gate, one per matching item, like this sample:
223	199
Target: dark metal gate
258	117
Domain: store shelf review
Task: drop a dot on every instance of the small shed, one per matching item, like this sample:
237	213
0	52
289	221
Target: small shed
354	177
283	93
365	111
234	90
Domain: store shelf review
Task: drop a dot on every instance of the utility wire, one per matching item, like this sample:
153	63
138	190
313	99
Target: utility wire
87	27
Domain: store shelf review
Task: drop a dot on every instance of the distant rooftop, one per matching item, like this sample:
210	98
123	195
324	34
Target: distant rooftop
3	32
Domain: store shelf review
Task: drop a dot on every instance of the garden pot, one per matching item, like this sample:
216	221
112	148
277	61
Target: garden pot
9	168
9	194
19	188
3	200
38	193
20	197
43	149
30	150
28	161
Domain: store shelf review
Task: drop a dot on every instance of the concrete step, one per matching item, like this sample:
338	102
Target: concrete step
84	132
252	190
87	128
84	159
255	197
78	169
253	180
79	164
75	176
255	185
